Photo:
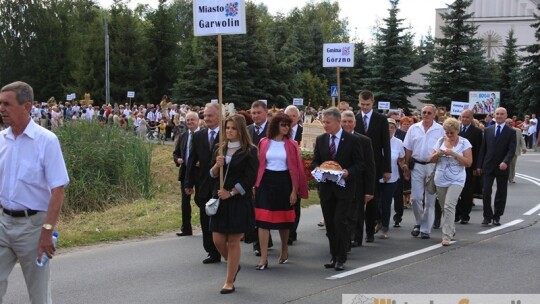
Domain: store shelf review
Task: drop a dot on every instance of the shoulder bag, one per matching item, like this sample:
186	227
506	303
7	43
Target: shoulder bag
211	207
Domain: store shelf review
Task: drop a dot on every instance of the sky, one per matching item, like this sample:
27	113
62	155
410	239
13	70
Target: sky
362	14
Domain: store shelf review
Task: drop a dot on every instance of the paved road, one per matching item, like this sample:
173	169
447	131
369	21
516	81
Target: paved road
168	269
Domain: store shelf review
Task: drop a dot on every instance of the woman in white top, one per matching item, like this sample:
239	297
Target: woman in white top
386	189
280	181
453	154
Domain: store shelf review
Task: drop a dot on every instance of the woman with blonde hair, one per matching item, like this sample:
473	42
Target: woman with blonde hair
453	154
235	214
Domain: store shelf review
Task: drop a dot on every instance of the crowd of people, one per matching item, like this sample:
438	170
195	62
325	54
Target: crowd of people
363	162
370	160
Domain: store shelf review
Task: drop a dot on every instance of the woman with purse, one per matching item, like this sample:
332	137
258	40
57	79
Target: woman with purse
452	155
235	213
280	180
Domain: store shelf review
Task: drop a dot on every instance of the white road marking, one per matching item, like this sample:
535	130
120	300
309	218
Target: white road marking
381	263
533	210
512	223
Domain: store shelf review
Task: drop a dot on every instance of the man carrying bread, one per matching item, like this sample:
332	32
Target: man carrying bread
337	152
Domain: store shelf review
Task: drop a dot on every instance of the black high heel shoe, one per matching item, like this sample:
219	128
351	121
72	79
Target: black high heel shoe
262	267
283	261
237	271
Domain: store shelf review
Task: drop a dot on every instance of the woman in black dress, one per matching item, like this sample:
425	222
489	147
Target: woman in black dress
235	214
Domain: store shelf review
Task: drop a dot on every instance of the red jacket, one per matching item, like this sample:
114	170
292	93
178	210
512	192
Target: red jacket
294	163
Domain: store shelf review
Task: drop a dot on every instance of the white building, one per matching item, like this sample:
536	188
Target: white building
495	19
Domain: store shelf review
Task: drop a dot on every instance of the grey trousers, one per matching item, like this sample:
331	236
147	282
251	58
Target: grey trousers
19	241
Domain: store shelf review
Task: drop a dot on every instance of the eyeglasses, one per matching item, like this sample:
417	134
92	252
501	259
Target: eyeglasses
283	124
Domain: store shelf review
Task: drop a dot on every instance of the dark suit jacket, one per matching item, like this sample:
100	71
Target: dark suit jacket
298	135
180	152
367	180
380	140
254	137
474	136
494	151
400	134
349	155
200	178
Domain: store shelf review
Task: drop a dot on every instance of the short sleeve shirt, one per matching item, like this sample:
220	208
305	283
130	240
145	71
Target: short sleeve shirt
449	170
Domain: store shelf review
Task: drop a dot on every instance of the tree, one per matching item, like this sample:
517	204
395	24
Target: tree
392	61
529	86
459	65
426	49
509	66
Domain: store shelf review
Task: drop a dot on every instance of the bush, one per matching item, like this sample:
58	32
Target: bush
106	166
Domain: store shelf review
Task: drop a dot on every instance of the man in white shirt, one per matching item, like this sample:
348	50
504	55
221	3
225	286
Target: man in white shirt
32	180
419	142
533	128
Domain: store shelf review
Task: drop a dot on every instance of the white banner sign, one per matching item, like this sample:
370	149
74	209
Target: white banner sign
71	96
216	101
338	55
131	94
298	101
457	107
384	105
212	17
484	102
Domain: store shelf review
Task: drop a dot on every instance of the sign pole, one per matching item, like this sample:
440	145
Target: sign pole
338	86
220	97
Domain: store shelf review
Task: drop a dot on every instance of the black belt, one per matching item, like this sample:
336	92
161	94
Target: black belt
20	213
420	162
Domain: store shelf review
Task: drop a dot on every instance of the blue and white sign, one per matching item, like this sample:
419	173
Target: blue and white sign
71	96
212	17
457	107
338	55
384	105
298	101
131	94
333	91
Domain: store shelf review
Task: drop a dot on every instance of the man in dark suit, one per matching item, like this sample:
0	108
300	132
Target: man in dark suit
375	126
498	148
181	153
474	135
296	134
257	130
343	148
365	188
204	143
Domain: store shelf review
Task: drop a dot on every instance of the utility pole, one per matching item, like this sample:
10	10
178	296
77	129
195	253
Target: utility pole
107	81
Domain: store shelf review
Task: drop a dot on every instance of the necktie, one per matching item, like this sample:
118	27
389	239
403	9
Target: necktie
332	147
190	140
257	129
463	130
211	139
365	122
498	132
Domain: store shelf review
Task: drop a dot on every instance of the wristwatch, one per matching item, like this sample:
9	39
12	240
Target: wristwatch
47	226
231	193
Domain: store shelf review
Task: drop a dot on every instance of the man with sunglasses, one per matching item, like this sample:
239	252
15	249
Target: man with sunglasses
419	142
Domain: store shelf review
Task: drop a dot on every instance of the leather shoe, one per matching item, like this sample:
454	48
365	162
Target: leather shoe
354	244
370	239
339	266
211	259
486	222
464	222
184	233
332	264
496	222
227	291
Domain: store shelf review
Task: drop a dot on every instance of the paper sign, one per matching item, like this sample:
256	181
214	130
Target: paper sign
298	101
212	17
131	94
457	107
338	55
384	105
